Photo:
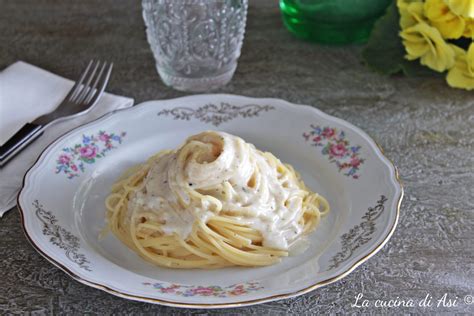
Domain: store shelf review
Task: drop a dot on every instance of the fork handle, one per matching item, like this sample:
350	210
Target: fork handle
26	135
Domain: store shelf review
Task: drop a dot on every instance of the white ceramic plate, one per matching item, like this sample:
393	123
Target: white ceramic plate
62	200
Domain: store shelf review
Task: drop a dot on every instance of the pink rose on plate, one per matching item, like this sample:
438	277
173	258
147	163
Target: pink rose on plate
239	290
168	290
88	152
204	291
337	150
64	159
74	167
328	132
355	162
104	137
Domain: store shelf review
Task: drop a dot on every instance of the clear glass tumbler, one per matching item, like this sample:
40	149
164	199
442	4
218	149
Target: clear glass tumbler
196	43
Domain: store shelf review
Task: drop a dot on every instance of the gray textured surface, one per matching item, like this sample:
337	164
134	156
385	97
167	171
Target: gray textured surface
426	128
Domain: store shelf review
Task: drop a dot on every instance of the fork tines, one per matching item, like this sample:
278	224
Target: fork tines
91	84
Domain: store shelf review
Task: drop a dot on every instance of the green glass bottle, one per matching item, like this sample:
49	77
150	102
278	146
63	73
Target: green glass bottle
332	21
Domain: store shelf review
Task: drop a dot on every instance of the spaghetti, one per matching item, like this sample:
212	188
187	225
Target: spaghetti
216	201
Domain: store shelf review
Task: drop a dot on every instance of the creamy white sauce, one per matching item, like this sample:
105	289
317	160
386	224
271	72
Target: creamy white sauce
240	180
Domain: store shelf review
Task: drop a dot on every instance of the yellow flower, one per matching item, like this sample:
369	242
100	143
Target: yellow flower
469	29
462	7
425	42
449	24
411	12
462	74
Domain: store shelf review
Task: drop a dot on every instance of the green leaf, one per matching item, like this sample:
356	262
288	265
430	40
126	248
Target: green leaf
385	52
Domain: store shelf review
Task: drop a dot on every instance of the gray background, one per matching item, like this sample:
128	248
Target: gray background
425	127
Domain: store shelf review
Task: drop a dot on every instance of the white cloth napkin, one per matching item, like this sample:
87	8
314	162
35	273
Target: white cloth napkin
27	92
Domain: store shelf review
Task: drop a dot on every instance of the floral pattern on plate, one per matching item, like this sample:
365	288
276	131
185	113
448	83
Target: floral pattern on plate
337	147
213	290
72	160
61	237
216	114
359	234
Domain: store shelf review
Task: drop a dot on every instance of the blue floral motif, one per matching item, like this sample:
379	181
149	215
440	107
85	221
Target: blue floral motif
72	160
334	144
213	290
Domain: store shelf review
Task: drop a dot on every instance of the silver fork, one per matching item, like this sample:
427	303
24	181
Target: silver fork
81	98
